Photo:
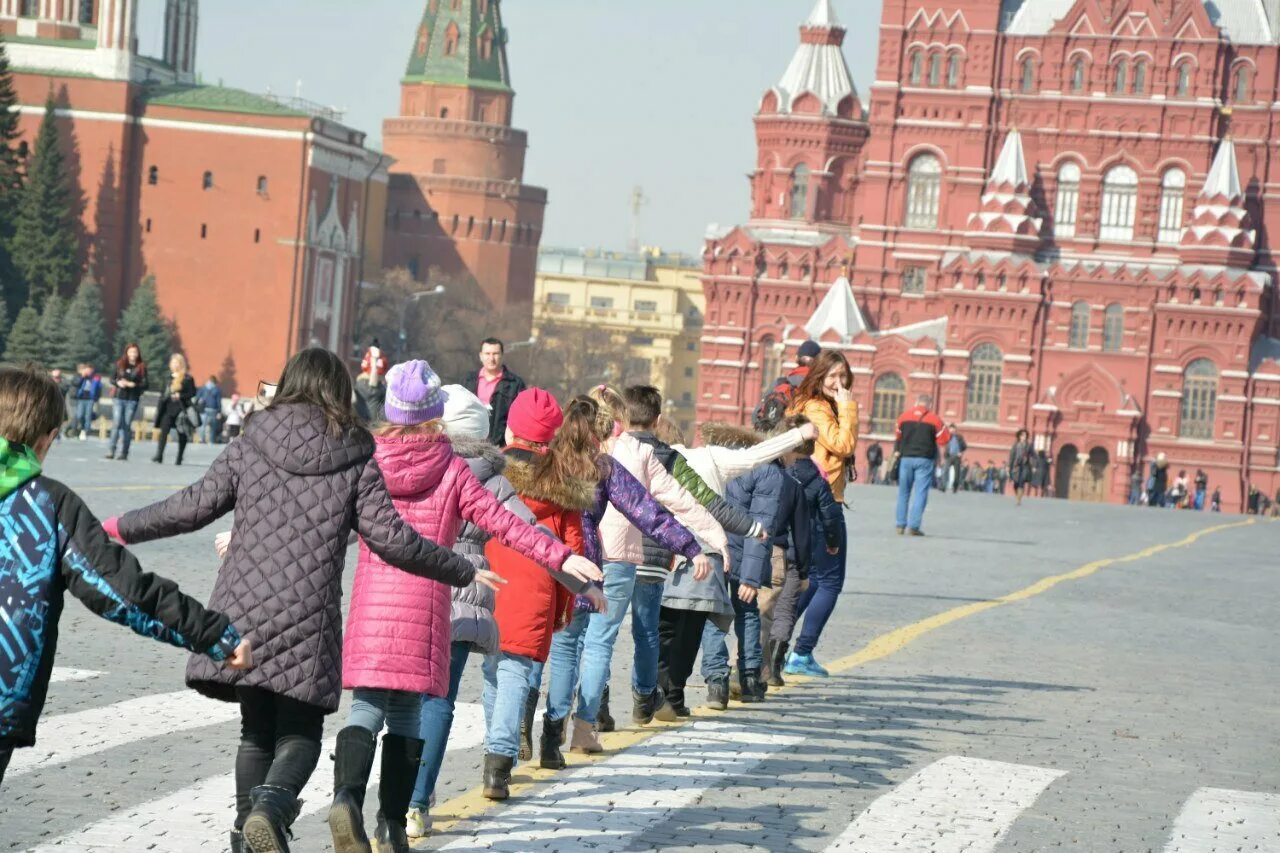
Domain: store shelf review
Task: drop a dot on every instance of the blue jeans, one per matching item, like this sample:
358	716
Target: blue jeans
818	602
437	720
565	661
84	415
915	475
600	636
371	707
646	608
506	684
122	417
209	425
746	624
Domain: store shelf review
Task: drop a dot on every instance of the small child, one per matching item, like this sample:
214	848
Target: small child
51	544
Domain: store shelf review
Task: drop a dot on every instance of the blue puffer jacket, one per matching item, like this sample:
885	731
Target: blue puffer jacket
826	517
768	496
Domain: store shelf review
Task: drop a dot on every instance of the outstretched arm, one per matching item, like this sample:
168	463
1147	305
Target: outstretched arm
203	502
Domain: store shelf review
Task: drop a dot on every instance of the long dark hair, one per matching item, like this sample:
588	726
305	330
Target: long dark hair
123	363
317	377
574	453
811	387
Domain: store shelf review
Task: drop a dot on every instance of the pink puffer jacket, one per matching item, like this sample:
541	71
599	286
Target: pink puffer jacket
397	633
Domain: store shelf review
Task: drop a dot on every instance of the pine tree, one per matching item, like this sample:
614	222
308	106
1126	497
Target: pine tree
11	287
86	332
4	321
141	323
24	344
53	332
44	244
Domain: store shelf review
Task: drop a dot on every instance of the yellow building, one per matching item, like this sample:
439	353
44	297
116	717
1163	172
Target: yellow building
630	318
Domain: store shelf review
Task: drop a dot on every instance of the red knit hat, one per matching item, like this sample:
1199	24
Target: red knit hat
535	416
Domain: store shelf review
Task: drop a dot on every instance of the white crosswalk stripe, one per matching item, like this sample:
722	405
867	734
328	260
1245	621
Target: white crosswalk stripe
198	817
66	737
64	674
605	806
955	805
1218	820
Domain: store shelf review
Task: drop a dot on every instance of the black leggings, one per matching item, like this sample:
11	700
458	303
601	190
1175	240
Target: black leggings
167	422
6	752
279	744
679	638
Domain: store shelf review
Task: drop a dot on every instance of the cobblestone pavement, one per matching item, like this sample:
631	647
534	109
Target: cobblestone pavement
1130	706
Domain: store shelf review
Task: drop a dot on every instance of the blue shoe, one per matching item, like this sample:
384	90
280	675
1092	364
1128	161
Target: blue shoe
799	664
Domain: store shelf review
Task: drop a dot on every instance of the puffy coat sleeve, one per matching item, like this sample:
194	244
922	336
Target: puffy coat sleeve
727	516
677	499
478	506
396	542
734	462
203	502
629	497
837	433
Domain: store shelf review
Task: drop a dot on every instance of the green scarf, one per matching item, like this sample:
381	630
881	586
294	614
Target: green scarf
18	466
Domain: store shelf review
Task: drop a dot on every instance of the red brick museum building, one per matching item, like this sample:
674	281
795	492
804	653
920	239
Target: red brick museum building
1048	213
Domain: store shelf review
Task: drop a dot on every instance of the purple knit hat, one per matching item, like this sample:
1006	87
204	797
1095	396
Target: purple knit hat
414	395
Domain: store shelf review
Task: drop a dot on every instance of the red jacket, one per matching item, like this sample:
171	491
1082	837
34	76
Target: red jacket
372	366
920	433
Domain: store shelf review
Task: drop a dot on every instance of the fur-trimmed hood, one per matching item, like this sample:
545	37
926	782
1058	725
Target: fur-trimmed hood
575	494
728	435
485	460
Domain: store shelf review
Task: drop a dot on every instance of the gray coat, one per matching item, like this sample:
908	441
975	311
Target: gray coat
298	492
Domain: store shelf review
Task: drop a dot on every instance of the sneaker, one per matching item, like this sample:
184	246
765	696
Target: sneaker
417	824
914	532
901	531
84	436
804	665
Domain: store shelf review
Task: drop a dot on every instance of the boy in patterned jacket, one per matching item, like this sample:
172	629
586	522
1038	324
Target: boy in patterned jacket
50	544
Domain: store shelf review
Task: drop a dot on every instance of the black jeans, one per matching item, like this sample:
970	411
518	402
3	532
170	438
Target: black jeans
6	752
169	421
679	639
279	744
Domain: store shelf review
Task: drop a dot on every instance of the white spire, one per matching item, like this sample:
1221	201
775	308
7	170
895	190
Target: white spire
1224	174
823	15
838	313
1011	166
818	67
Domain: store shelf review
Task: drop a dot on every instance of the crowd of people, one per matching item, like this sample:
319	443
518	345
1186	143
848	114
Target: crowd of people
524	547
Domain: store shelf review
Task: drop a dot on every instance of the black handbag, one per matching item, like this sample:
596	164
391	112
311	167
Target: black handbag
894	465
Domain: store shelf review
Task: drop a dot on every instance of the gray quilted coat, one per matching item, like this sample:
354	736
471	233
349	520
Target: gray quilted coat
297	492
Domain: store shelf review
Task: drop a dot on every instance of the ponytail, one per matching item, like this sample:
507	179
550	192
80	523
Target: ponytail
611	407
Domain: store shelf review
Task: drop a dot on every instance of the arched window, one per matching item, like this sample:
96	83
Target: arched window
86	11
1068	200
1121	78
986	372
153	175
486	45
924	183
1113	328
1028	75
262	184
1242	84
451	39
1139	77
424	38
207	181
917	67
1079	338
771	363
1172	186
1119	203
1184	80
888	399
1199	399
800	192
1077	74
953	71
935	70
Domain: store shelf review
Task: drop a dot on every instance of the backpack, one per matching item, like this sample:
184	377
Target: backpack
773	408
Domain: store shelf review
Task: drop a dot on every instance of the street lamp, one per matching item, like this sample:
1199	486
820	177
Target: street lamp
412	298
533	341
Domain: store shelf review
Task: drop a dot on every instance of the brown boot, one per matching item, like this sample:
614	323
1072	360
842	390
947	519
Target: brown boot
586	738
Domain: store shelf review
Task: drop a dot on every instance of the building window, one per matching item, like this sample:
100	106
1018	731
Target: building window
557	299
1184	80
1172	186
148	226
646	306
913	279
770	363
451	39
935	70
1139	77
153	175
1113	328
924	183
204	231
1077	74
688	373
1119	203
888	399
603	303
257	235
86	12
953	71
444	112
1079	338
800	192
1122	77
917	67
424	38
1242	84
486	45
986	372
29	9
1028	75
641	340
1199	399
262	184
207	181
1068	200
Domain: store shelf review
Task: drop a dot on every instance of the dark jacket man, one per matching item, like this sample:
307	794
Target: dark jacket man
508	388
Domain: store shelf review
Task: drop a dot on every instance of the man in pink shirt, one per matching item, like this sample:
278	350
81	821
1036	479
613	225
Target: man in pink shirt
496	386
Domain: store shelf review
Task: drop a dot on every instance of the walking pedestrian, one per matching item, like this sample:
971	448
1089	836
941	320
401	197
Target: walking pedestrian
1202	489
236	411
300	481
1215	503
86	389
956	446
496	385
1178	494
209	402
172	412
920	433
1021	463
1135	486
130	382
1158	481
46	530
875	458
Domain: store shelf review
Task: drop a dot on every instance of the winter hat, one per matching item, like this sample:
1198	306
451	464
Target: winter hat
810	349
464	415
414	395
535	416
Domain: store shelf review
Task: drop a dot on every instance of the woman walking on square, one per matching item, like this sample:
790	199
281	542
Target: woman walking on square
1022	463
130	381
171	413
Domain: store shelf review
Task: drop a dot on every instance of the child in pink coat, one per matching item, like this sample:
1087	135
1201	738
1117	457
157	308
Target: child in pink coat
396	645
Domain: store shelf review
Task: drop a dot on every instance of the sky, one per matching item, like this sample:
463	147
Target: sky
614	93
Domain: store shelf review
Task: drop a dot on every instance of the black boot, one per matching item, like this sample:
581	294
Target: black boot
237	842
752	687
274	811
718	694
675	696
641	708
526	726
353	761
777	662
497	776
604	720
401	757
552	737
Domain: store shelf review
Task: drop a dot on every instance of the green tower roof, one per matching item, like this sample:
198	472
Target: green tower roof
460	42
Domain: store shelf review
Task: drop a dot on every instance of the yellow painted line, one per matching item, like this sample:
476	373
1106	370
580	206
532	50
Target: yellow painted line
529	778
